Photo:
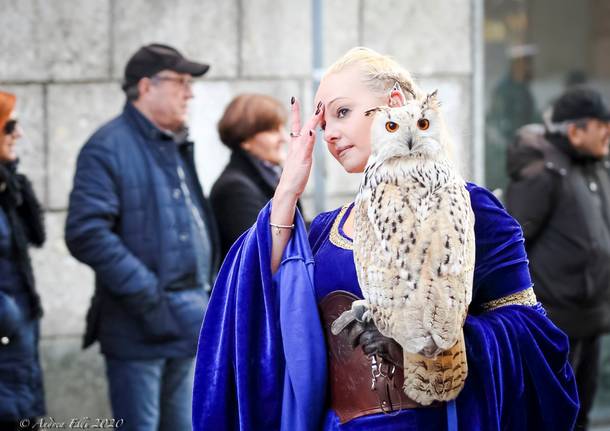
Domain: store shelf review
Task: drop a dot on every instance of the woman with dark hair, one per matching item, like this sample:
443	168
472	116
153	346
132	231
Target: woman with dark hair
253	128
21	224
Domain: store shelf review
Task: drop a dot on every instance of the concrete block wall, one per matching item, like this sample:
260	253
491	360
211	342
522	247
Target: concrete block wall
64	60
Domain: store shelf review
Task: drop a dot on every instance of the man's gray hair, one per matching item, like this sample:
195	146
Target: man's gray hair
132	92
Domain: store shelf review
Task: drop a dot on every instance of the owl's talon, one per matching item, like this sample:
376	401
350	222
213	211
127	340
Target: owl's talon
356	313
360	309
342	322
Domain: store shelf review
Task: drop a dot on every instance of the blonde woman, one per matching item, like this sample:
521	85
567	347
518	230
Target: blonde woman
264	362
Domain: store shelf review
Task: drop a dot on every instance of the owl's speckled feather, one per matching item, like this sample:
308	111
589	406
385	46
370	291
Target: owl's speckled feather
414	247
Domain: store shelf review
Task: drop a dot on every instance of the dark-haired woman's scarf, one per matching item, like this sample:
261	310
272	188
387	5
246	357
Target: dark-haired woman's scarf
24	215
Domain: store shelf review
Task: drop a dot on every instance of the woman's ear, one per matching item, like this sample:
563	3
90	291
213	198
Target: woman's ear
246	145
397	97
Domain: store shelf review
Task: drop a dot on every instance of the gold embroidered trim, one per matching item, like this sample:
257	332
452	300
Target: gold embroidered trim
335	237
525	297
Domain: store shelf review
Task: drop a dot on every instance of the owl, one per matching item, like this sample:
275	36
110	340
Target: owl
414	245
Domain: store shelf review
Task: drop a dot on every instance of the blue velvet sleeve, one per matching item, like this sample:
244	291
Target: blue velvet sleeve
261	360
519	376
501	266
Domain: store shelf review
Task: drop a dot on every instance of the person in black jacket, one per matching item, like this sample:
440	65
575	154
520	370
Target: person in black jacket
253	128
560	193
21	224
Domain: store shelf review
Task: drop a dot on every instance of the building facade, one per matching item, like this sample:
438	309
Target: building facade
64	59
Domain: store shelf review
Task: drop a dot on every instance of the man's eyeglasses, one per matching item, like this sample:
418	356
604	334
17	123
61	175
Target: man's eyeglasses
183	82
10	126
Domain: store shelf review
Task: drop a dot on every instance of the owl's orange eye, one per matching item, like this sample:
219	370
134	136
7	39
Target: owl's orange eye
391	126
423	124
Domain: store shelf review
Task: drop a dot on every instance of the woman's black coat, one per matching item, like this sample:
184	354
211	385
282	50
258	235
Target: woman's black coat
242	190
21	224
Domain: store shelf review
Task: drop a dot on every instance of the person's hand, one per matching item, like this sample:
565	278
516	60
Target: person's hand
300	151
293	180
373	342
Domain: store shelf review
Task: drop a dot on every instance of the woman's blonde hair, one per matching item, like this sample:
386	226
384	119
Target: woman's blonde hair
380	72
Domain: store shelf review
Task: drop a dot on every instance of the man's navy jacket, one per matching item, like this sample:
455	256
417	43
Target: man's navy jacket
129	221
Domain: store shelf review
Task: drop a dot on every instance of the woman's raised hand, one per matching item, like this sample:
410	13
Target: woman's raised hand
300	151
294	178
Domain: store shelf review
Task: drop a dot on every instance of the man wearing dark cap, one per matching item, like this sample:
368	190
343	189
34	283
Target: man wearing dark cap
139	219
560	193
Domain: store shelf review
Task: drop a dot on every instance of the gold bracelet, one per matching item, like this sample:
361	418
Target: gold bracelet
279	227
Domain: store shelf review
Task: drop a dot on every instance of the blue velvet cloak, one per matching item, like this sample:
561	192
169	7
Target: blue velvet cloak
261	363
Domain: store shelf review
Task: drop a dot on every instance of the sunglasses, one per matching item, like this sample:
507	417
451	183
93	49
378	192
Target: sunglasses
10	126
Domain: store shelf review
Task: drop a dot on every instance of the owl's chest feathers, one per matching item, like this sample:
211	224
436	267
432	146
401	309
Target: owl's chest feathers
418	181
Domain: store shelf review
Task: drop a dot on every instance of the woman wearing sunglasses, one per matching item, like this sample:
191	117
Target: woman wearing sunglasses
21	224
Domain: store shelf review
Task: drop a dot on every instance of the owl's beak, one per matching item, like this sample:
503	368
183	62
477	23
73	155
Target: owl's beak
410	143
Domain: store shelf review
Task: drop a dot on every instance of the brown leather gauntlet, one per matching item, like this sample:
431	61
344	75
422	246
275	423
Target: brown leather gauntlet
360	385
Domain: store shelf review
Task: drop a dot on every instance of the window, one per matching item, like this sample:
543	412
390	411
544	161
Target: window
534	50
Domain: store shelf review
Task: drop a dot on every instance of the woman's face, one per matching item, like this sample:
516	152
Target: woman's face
8	138
267	145
346	129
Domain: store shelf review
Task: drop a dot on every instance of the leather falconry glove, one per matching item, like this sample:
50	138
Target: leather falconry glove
373	342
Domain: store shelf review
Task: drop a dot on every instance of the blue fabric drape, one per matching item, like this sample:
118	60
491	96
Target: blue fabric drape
261	363
518	378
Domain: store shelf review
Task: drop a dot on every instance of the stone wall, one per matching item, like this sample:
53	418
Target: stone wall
64	60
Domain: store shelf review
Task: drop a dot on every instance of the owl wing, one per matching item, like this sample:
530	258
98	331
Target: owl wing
383	226
453	227
449	263
393	225
371	263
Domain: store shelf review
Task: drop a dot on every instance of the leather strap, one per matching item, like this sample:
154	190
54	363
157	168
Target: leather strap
359	385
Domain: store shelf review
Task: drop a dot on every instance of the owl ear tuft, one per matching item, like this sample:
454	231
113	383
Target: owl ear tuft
397	97
373	111
370	112
432	100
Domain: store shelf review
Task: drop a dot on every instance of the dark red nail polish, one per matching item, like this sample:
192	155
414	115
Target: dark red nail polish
310	133
292	100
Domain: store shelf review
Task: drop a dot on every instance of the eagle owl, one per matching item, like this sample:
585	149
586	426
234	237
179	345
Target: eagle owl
414	245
